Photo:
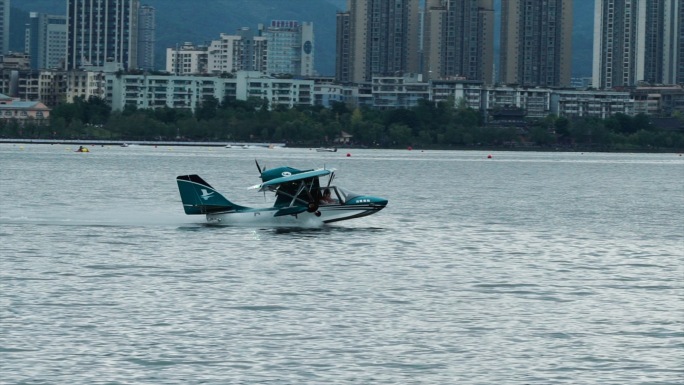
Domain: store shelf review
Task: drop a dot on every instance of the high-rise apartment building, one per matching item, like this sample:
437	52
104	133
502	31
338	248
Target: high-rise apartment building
246	50
290	47
536	42
284	47
147	27
383	39
459	39
343	50
102	34
4	26
616	28
46	40
187	60
637	41
679	44
227	54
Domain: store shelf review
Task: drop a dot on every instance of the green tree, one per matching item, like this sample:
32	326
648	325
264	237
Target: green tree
207	110
540	135
400	134
562	127
642	122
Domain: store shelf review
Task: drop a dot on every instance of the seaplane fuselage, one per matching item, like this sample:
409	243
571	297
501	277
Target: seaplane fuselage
300	200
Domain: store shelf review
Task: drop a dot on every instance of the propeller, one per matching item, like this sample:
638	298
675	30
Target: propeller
258	167
312	206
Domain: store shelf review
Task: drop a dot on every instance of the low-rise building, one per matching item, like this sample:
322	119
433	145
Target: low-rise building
535	101
84	84
399	91
659	100
466	93
23	111
598	104
157	91
48	86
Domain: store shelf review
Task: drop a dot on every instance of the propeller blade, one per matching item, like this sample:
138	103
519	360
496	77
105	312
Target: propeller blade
258	167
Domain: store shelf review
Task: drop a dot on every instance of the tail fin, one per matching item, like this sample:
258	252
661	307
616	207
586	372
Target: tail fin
200	198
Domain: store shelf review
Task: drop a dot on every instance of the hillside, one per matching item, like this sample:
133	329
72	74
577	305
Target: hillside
179	21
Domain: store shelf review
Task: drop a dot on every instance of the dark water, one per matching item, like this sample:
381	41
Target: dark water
527	268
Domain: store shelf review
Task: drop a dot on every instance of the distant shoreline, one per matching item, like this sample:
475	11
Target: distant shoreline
530	148
85	142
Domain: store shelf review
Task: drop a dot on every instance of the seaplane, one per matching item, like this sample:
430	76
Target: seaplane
303	198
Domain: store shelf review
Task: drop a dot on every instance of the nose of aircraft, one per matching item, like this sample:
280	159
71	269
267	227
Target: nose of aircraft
374	201
380	202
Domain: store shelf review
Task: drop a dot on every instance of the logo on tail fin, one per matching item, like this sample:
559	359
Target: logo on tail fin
206	194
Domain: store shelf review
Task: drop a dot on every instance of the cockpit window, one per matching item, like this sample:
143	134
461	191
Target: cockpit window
345	194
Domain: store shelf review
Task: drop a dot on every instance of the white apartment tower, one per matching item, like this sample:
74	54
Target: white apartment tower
187	60
227	54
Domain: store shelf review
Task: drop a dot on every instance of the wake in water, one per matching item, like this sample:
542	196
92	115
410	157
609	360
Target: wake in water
117	218
121	218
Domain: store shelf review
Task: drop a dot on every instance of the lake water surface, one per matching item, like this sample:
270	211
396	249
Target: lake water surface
526	268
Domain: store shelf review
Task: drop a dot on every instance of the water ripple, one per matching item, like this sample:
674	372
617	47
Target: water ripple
545	269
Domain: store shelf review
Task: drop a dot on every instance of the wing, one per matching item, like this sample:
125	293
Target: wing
293	178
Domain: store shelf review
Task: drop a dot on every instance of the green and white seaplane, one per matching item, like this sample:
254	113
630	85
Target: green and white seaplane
300	200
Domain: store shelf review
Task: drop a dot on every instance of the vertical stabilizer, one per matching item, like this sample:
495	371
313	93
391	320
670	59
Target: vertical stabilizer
200	198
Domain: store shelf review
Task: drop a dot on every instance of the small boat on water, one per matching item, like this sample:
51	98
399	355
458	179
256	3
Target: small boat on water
82	149
326	149
124	144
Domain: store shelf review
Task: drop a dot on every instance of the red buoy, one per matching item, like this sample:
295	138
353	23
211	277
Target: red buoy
348	154
489	157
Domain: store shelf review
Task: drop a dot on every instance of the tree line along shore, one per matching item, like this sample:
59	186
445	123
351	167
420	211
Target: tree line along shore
429	126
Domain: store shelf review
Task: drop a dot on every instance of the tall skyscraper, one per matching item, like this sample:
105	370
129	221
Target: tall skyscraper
536	42
637	41
383	38
4	26
102	34
343	48
46	40
147	26
290	47
679	44
615	41
459	39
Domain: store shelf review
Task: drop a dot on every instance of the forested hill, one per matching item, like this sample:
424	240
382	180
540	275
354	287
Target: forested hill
200	21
